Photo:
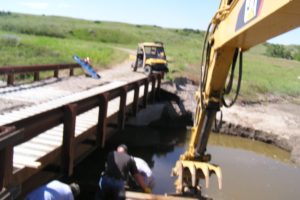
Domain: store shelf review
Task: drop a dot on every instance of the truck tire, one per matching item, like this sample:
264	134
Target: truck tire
147	70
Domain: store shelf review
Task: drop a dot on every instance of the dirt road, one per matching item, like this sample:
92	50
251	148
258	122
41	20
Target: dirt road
15	97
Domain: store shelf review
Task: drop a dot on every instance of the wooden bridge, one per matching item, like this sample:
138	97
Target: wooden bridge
58	134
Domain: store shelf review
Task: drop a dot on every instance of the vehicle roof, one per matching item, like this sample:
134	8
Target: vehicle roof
152	44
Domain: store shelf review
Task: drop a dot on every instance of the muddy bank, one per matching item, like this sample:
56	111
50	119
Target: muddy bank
274	123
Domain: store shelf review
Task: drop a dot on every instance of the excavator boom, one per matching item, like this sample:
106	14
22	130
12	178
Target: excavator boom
237	26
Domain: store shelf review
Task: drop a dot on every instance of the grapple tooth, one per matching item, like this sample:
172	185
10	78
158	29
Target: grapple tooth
205	170
179	185
193	171
218	172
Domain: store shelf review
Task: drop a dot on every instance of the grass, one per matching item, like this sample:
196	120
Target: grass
29	39
265	75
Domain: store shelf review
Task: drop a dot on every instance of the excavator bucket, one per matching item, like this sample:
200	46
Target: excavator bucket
190	172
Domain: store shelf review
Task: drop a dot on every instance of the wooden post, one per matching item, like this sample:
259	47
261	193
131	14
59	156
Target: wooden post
102	120
145	97
135	105
10	79
6	166
56	73
122	108
69	139
36	76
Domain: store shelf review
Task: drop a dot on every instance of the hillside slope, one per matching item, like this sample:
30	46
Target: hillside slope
31	39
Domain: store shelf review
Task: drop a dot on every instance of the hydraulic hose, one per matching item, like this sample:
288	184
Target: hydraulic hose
229	86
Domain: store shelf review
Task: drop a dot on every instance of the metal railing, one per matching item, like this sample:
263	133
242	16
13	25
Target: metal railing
23	130
10	72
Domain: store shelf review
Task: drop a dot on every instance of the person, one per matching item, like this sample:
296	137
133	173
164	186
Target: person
87	60
55	190
145	171
118	166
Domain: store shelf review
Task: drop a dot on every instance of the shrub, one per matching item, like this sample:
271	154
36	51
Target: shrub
9	40
279	51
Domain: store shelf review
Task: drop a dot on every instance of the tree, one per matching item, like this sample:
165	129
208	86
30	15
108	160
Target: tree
279	51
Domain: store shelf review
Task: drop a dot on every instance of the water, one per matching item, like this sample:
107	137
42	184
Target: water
251	169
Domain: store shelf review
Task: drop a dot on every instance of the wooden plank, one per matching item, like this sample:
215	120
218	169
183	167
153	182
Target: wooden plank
22	150
27	163
36	145
143	196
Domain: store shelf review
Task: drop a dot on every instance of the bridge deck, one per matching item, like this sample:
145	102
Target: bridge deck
29	154
48	139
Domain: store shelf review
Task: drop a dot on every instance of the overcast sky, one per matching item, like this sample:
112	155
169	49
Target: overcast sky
194	14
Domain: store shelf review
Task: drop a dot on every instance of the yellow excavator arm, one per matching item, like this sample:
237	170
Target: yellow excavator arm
237	26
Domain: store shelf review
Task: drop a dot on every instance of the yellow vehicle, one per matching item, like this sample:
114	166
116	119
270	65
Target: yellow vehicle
237	26
151	57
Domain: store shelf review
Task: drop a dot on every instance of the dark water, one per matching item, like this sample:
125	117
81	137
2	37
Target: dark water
251	170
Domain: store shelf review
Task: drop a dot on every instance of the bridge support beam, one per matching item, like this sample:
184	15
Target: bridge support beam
69	139
102	119
145	97
135	106
122	108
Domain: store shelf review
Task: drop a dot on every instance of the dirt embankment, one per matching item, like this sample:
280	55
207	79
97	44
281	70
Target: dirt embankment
274	123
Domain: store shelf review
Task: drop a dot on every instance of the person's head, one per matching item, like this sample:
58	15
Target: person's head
122	148
75	189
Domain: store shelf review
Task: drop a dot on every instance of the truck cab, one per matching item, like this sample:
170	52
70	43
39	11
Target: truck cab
151	57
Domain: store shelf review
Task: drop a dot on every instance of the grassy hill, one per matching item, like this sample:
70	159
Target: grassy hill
30	39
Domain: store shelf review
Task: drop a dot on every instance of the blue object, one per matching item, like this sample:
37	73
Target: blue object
87	68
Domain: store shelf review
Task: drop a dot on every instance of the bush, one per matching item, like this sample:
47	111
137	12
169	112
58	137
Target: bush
279	51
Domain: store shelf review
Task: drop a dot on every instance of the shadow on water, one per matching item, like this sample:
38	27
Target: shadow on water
251	169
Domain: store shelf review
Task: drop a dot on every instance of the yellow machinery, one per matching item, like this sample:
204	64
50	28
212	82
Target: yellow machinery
237	26
151	56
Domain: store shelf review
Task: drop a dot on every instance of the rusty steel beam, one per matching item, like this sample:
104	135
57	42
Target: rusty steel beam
8	137
146	88
68	139
159	77
36	68
55	73
87	104
153	81
36	76
10	79
37	124
122	108
102	119
6	166
135	106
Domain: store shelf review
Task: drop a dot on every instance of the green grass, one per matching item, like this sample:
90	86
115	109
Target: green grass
29	39
265	75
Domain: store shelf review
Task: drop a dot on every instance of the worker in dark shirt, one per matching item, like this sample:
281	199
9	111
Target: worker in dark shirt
119	164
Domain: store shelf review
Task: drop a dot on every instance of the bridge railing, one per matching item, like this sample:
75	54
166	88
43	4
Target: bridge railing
11	71
23	130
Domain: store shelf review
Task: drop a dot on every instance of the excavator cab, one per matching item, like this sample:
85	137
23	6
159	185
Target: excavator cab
151	57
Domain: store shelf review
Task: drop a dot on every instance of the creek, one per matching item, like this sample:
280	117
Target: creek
251	169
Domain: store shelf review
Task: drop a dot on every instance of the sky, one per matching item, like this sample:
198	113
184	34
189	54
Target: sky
194	14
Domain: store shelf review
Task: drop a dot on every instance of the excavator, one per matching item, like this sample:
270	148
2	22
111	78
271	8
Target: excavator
237	26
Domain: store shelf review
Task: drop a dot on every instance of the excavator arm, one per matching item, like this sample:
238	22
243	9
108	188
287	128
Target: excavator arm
237	26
